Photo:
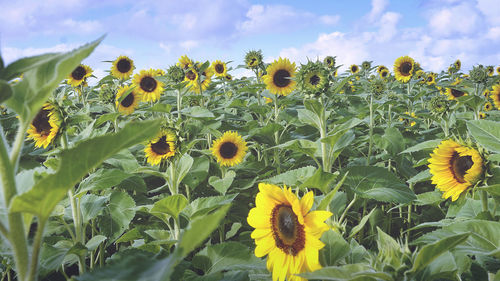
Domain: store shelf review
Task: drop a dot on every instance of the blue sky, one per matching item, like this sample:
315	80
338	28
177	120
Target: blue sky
156	33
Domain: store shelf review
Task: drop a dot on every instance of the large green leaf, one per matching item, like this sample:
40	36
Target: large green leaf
293	177
102	179
20	66
38	83
222	185
347	272
306	147
171	205
379	184
203	205
198	172
308	117
230	256
393	141
121	212
76	163
486	133
91	206
320	180
335	248
5	90
430	144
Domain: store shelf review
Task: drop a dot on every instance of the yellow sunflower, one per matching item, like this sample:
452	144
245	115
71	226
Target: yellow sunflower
482	115
279	78
329	61
403	68
146	84
408	121
495	95
354	69
79	74
229	77
206	79
454	168
129	103
431	78
230	149
44	127
498	70
384	73
380	68
287	231
486	93
457	64
490	70
454	93
185	62
122	67
161	147
253	59
488	106
219	68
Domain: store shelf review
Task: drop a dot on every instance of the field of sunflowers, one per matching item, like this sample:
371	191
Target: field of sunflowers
298	172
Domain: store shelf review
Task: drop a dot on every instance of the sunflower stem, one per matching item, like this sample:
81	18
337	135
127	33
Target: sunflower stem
179	101
484	200
370	141
347	208
276	135
18	144
37	244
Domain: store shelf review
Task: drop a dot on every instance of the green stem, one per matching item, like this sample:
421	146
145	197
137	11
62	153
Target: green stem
18	144
324	149
37	244
347	208
16	234
484	200
371	132
276	135
179	101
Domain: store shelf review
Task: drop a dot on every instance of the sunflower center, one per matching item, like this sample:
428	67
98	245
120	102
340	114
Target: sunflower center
314	80
191	75
228	150
123	66
460	165
288	233
329	61
161	146
405	68
253	61
41	122
78	73
354	69
384	73
128	101
457	93
281	78
219	68
148	84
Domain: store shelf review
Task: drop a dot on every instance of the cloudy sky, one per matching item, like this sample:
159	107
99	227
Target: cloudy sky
156	33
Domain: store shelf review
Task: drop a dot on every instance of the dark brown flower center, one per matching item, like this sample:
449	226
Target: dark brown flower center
78	73
288	233
457	93
161	146
281	78
128	101
329	61
219	68
148	84
123	65
354	69
405	68
191	75
228	150
460	165
314	80
384	73
41	122
253	61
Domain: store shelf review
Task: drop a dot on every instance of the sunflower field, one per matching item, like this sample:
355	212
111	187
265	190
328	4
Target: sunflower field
298	172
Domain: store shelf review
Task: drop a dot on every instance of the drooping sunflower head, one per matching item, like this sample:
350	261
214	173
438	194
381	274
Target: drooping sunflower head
354	69
312	78
403	68
495	95
79	74
162	147
329	61
457	64
127	104
205	79
287	231
230	149
45	126
185	62
147	85
280	75
219	68
455	168
122	67
253	59
384	73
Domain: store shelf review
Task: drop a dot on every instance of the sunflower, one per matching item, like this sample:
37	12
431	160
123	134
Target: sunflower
253	59
407	121
457	64
228	77
498	70
122	67
329	61
229	149
79	74
128	104
482	115
454	93
454	168
420	76
219	68
380	68
44	127
431	78
185	62
161	147
384	73
488	106
354	69
206	76
490	70
287	231
279	78
147	85
191	77
495	95
268	100
486	93
403	68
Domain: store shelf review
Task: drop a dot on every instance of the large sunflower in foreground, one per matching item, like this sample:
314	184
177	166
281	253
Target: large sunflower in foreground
219	68
403	68
79	74
44	127
279	77
161	147
230	149
122	67
495	95
287	231
128	104
147	85
454	168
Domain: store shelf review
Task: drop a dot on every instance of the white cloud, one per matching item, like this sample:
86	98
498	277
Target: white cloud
88	26
267	18
329	20
10	54
491	9
189	44
378	7
460	19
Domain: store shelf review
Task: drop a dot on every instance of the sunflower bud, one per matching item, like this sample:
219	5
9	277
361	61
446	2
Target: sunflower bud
377	86
253	59
175	74
478	74
366	65
438	105
329	61
312	78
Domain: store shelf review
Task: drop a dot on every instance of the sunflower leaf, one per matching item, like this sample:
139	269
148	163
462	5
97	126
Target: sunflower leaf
486	133
5	90
47	192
